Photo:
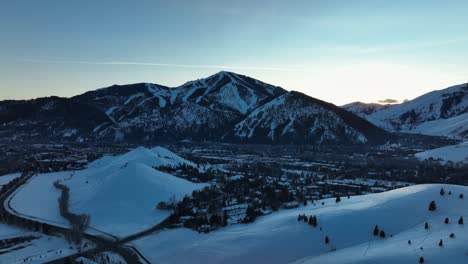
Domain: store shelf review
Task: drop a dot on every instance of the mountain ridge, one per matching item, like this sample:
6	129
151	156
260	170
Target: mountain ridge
199	110
439	113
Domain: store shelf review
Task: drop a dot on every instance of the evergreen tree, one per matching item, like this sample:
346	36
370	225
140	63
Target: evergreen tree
382	234
376	230
446	220
225	218
432	206
460	221
442	192
250	214
313	220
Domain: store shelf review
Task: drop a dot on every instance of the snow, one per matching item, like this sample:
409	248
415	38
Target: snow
110	111
280	238
5	179
39	248
7	231
455	153
133	97
428	112
104	257
120	193
284	114
156	93
236	93
444	127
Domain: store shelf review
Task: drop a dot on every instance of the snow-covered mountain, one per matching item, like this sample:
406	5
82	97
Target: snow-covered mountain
439	113
296	117
224	106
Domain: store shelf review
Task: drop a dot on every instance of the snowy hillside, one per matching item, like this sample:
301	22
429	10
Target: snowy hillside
349	225
439	113
22	246
197	108
455	153
295	117
119	193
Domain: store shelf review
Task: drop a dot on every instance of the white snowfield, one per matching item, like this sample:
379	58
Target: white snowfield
455	153
280	238
120	193
39	249
5	179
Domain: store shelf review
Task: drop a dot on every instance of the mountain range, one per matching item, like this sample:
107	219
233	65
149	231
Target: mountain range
226	107
437	113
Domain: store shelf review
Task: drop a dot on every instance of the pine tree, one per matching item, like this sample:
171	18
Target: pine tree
313	220
446	220
432	206
441	243
426	226
460	221
442	192
376	230
225	218
382	234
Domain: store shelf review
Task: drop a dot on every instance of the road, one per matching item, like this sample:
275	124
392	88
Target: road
129	253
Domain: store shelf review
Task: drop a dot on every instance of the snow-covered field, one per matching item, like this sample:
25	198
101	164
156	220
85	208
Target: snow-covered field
280	238
455	153
5	179
7	231
37	248
120	193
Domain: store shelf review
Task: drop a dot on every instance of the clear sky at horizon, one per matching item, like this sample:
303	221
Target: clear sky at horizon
338	51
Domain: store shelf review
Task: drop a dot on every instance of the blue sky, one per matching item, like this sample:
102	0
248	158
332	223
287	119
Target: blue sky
339	51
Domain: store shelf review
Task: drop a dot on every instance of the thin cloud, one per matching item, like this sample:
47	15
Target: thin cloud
389	101
402	46
157	64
